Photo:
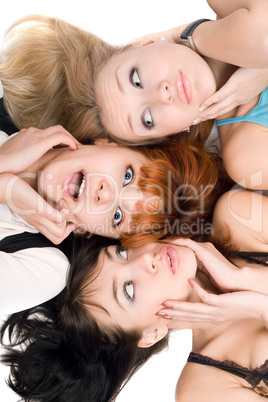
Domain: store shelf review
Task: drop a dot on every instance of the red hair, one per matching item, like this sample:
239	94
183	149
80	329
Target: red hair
183	183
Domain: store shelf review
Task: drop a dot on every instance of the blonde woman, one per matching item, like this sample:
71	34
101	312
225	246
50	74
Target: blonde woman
49	69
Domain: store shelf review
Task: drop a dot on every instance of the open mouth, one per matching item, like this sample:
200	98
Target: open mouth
76	185
169	260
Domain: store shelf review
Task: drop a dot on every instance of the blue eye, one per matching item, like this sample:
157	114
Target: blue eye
134	78
129	290
128	176
118	215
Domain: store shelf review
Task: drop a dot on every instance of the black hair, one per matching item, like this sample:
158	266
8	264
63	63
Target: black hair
57	351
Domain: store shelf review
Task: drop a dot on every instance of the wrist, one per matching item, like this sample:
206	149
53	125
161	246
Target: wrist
5	179
176	32
246	279
4	164
186	39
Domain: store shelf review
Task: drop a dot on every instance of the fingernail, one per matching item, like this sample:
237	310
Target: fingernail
160	313
196	121
167	305
190	283
163	315
202	108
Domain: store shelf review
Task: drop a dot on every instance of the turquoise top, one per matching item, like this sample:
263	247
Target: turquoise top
259	114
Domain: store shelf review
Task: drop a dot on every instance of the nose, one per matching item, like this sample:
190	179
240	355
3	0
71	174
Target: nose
165	91
148	262
104	193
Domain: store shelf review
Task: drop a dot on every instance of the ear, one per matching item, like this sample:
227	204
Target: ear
104	141
150	337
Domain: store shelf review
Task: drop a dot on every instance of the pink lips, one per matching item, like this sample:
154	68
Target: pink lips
184	88
67	182
170	258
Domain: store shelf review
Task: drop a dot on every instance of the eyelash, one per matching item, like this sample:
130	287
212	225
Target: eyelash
143	120
133	175
131	79
118	249
125	291
117	225
127	283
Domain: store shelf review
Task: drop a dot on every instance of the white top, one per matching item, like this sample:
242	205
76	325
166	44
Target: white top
31	276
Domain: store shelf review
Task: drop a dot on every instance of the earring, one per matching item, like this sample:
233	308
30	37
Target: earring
186	130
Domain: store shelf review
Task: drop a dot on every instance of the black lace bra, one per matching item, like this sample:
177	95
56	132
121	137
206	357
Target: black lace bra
257	378
254	257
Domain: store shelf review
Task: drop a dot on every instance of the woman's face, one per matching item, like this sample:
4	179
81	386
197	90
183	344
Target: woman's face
153	91
132	284
97	183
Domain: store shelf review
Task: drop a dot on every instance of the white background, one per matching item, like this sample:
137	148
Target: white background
119	21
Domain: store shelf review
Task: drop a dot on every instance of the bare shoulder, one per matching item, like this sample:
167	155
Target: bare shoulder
209	384
243	215
244	151
200	383
225	7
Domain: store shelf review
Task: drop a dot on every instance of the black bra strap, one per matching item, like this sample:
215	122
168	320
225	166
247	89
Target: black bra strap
258	258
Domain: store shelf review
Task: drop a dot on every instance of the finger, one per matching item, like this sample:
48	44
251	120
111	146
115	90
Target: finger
210	299
216	110
206	253
62	139
58	135
68	230
192	312
51	216
64	213
225	92
55	234
193	245
203	295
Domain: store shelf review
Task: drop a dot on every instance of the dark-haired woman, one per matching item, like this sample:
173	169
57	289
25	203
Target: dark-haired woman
111	317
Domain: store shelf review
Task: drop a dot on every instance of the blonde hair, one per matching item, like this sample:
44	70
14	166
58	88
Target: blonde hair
48	69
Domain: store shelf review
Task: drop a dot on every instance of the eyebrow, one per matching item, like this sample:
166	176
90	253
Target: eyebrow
108	254
129	120
115	287
115	295
121	89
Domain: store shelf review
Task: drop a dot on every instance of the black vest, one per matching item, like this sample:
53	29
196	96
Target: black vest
13	243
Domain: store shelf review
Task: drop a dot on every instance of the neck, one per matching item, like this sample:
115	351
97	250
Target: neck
221	71
223	341
204	281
